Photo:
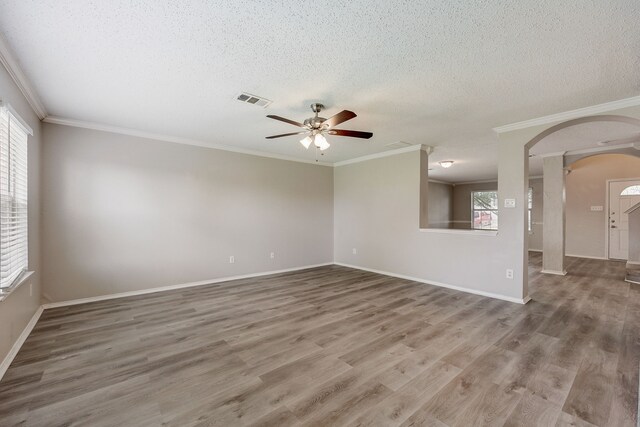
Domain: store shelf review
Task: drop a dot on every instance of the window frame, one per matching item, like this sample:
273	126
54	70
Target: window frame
474	210
15	176
628	188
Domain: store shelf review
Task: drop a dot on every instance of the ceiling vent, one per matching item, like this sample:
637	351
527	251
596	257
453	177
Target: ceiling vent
253	99
398	144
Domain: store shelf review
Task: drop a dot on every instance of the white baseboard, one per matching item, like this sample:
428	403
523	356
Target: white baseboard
575	255
442	285
21	339
587	257
556	272
174	287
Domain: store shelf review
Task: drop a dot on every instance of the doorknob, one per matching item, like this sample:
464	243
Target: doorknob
613	226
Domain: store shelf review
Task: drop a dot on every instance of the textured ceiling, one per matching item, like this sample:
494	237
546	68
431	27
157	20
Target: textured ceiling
442	73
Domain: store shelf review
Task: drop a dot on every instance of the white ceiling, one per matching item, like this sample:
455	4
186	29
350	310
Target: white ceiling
437	72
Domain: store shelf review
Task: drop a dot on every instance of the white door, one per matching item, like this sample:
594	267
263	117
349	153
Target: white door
622	195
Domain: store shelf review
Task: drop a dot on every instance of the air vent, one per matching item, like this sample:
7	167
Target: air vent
253	99
398	144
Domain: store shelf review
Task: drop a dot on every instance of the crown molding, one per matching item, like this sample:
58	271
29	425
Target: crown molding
479	181
490	181
11	64
554	154
388	153
198	143
572	114
175	139
599	149
437	181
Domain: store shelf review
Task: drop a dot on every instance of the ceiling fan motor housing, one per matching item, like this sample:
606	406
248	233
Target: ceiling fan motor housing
314	122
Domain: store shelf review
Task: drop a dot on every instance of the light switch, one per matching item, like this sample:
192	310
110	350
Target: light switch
509	203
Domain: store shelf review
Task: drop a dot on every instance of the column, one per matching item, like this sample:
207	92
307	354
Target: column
553	222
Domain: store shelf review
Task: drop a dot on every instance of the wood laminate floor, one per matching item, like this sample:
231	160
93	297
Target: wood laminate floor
336	346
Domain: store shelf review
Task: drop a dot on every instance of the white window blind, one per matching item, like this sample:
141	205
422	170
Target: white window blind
13	197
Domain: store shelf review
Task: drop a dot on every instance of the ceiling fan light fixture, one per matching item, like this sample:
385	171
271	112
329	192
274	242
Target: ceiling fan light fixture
321	142
446	163
306	142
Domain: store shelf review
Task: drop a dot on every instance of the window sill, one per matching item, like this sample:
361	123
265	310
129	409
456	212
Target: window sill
459	231
5	292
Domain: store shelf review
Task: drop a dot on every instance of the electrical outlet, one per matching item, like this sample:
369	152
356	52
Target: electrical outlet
232	259
273	255
509	273
354	251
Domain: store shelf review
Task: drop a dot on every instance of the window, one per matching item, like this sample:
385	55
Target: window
633	190
13	197
484	210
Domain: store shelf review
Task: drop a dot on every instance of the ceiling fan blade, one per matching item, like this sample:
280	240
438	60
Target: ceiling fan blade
341	117
351	133
285	134
282	119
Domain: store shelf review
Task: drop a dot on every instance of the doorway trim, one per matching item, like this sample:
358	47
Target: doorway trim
608	206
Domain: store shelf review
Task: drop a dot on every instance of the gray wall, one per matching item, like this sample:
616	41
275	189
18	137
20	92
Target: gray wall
440	205
19	307
377	211
122	213
586	186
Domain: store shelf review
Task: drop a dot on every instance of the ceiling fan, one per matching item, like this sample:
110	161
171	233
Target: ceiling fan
316	127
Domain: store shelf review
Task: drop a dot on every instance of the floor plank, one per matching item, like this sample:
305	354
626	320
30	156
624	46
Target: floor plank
338	346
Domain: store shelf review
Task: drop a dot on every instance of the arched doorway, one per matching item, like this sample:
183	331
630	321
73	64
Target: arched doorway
622	131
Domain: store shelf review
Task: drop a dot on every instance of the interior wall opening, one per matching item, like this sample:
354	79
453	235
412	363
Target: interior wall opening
570	166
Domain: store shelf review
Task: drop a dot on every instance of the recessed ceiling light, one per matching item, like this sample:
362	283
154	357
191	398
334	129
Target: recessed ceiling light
446	163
